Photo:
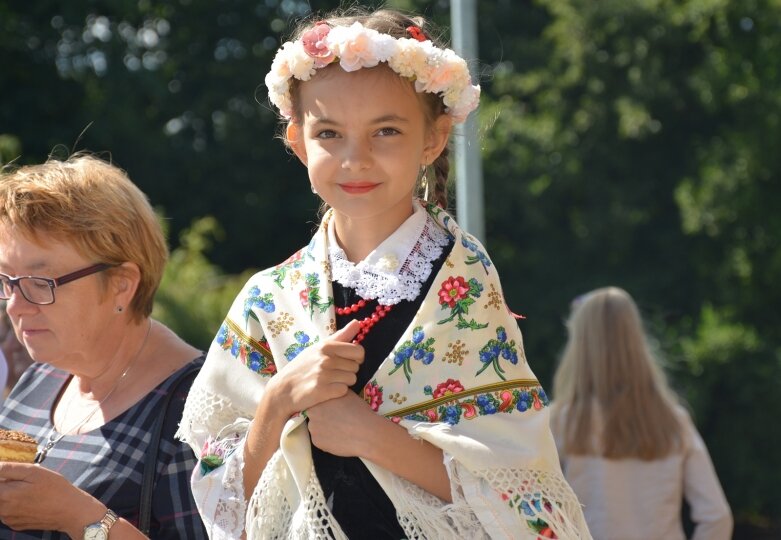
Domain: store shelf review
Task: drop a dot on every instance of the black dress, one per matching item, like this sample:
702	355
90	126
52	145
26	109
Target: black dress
357	501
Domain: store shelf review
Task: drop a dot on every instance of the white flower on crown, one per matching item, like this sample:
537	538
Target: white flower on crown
433	70
412	57
358	47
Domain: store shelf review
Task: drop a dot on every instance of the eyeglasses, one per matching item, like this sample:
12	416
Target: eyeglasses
40	290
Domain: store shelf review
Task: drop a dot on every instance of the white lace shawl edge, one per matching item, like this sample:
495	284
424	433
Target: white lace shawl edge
474	512
421	514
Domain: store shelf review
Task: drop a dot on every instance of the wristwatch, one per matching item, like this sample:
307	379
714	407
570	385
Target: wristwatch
99	530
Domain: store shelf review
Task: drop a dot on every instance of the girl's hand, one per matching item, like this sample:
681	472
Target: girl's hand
33	497
342	426
347	427
321	372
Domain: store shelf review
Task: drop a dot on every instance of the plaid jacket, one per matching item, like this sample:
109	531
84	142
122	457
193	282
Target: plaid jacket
108	462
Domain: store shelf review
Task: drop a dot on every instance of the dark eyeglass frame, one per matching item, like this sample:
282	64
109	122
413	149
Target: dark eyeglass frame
53	282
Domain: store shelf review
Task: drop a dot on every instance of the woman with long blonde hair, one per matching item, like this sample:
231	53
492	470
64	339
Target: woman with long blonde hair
629	450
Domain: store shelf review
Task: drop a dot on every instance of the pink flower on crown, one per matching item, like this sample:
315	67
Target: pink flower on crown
316	45
446	70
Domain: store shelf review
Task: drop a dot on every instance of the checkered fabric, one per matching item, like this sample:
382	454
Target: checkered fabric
108	462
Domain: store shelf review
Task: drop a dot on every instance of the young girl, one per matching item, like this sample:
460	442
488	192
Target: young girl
374	385
630	451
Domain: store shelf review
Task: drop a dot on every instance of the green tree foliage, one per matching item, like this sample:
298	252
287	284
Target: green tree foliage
195	294
9	148
634	145
169	89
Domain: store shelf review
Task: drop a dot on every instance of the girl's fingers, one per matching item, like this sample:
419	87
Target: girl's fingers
347	378
348	351
342	364
347	333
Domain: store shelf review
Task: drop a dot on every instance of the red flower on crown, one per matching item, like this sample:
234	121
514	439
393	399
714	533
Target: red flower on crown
416	33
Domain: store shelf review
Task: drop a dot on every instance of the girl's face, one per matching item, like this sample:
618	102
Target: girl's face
363	136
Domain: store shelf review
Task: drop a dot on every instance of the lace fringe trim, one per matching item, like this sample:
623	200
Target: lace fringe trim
204	406
537	499
271	517
538	495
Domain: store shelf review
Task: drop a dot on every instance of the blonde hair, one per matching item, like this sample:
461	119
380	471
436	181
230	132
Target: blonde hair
93	206
607	371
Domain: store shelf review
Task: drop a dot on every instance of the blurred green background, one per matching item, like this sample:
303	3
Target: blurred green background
625	142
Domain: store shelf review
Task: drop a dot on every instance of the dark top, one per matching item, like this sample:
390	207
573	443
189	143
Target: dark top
108	462
357	501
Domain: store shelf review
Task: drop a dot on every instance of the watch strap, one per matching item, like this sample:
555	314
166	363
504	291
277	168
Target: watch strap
109	519
105	523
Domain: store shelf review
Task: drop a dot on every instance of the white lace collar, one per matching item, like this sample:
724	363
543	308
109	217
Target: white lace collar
397	268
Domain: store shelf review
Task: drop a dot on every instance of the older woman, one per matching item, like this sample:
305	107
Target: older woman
81	256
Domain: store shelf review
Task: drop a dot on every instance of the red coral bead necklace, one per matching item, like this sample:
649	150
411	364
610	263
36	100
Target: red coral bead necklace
368	322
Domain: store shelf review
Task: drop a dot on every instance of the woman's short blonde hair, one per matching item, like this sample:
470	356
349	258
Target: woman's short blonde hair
93	206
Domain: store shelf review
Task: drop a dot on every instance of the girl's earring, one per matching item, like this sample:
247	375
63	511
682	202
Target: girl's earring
424	181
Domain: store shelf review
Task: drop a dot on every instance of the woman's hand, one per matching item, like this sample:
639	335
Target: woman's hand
33	497
321	372
343	426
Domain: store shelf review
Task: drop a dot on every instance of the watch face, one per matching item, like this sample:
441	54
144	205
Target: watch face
95	532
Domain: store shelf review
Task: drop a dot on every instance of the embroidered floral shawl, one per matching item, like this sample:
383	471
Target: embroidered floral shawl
457	378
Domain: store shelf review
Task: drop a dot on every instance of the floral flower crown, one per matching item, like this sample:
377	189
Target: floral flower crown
433	70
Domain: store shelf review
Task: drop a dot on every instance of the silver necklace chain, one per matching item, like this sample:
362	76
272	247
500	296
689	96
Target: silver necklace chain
54	437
